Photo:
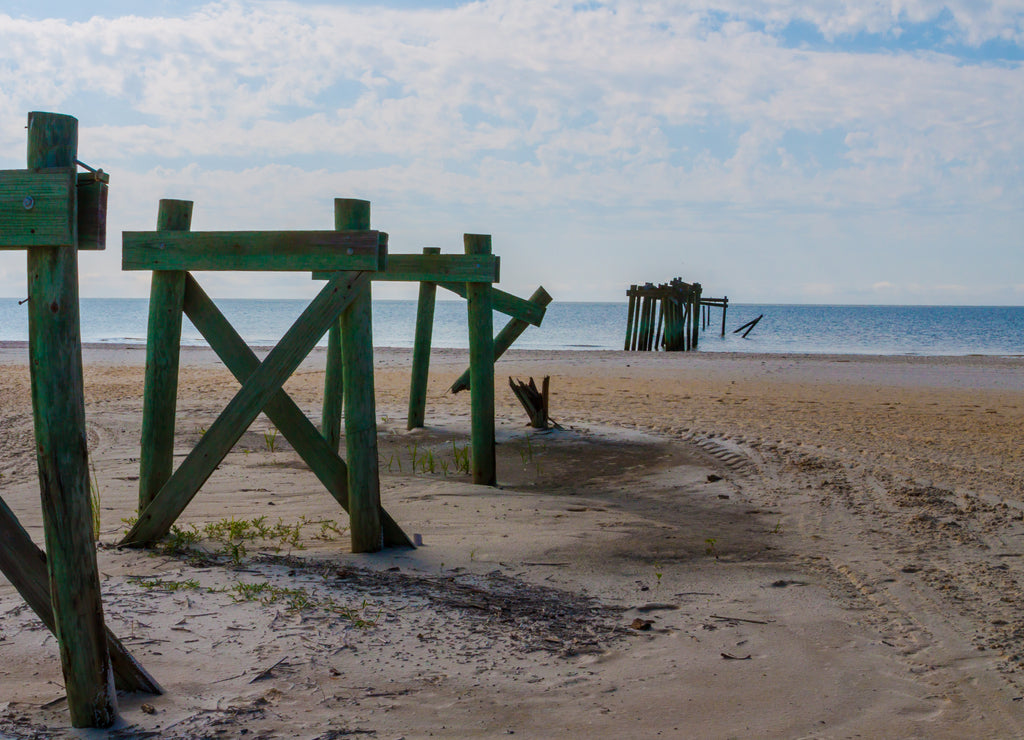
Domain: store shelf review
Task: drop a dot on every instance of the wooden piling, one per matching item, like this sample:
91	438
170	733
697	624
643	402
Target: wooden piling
360	405
421	351
354	214
481	369
631	293
58	408
163	349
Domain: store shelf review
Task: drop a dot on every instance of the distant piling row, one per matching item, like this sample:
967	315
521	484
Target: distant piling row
669	316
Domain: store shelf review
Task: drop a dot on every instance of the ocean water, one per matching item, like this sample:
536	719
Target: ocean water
886	330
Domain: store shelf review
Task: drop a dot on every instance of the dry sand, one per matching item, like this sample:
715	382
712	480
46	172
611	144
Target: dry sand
819	547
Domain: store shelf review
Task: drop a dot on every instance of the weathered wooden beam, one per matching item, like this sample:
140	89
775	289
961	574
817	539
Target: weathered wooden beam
37	208
243	409
282	411
506	303
481	369
58	410
435	267
509	334
24	565
360	405
254	250
421	351
163	349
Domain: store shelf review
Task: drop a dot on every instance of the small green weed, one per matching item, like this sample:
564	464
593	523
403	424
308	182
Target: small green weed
270	438
709	547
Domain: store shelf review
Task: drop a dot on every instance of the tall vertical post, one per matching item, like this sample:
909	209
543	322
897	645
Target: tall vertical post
163	351
58	409
629	315
481	368
421	351
360	407
334	389
725	307
696	315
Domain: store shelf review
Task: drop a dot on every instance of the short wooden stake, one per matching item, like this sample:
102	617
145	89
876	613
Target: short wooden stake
58	409
481	369
421	351
163	350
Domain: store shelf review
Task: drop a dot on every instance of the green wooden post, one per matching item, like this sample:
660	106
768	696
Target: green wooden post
421	351
481	368
360	405
629	315
58	408
696	314
353	214
506	337
163	349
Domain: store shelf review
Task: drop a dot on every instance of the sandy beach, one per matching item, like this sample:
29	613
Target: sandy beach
712	545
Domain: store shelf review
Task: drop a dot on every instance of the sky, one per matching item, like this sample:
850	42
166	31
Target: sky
778	151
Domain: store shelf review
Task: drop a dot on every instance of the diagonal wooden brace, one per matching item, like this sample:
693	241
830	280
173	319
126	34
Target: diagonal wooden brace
282	410
513	329
24	565
156	520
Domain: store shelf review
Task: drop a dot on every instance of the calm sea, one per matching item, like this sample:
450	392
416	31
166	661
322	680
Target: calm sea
888	330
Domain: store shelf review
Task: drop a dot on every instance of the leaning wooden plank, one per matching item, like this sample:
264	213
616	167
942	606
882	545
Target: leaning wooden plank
163	348
509	334
58	410
435	268
254	250
37	208
261	386
24	565
316	451
421	351
506	303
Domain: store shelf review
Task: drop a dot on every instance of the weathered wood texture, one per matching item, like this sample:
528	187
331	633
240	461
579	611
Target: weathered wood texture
163	349
254	250
37	208
481	369
360	404
506	337
534	401
506	303
421	350
24	565
436	267
282	411
156	520
58	406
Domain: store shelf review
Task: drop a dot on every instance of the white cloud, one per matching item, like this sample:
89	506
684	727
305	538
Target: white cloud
529	117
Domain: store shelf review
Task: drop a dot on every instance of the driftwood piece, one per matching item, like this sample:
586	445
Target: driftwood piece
534	401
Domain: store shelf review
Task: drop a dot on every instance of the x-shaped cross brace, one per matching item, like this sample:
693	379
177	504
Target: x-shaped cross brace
261	391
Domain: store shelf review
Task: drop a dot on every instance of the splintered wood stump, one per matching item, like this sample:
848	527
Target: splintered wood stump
534	401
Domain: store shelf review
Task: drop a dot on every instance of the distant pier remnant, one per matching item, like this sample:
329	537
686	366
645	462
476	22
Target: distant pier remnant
669	316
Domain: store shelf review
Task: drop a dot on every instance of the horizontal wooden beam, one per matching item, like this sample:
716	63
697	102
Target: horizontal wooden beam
37	208
436	268
506	303
271	251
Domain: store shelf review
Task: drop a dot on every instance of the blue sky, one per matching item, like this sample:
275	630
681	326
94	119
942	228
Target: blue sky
821	151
